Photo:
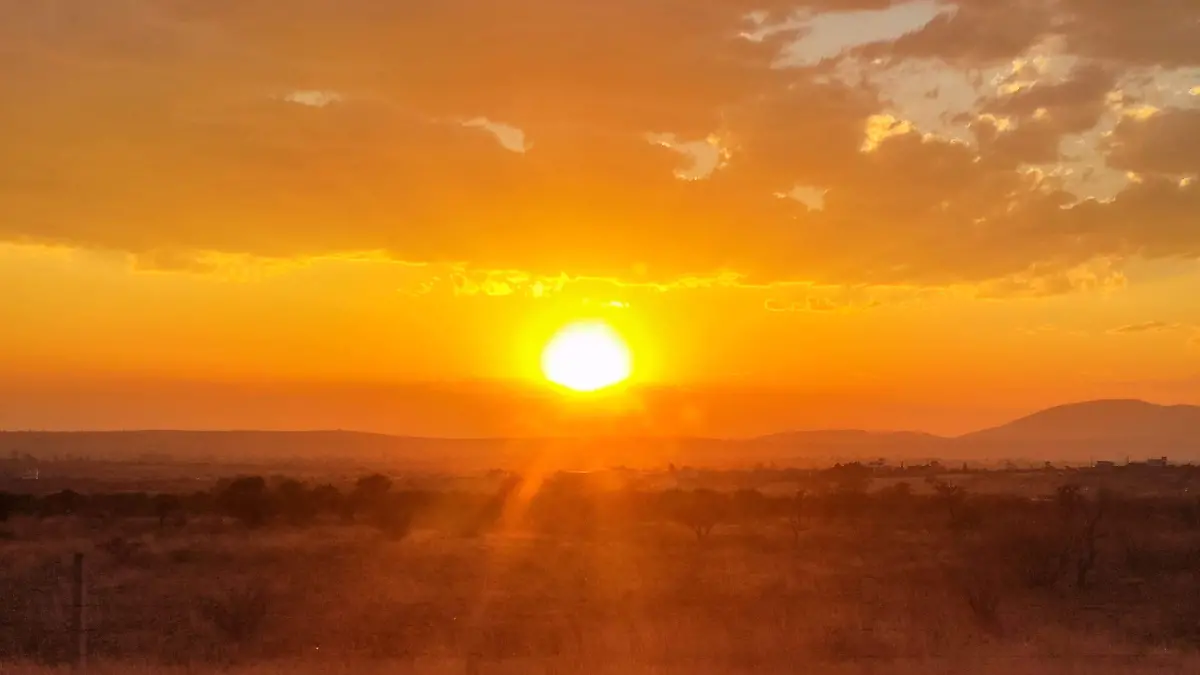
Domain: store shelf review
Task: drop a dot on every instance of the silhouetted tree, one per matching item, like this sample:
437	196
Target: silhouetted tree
750	504
238	614
167	506
480	518
901	491
1070	540
246	499
952	499
797	514
296	503
1188	511
63	503
369	492
1088	538
326	499
850	478
8	506
395	513
1069	500
372	488
848	496
701	510
391	512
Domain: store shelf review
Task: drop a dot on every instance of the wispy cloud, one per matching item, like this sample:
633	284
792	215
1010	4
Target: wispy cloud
811	197
313	98
705	156
509	137
1145	327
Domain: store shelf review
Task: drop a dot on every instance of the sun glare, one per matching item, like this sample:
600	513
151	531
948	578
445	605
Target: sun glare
586	356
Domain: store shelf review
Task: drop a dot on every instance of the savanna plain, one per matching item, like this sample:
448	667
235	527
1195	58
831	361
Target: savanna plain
840	570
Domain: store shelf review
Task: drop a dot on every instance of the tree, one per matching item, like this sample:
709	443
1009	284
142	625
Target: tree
853	478
326	499
391	512
1069	500
701	510
166	506
296	502
394	515
750	504
247	500
490	512
797	515
66	502
372	488
8	506
1070	542
368	494
953	500
1089	537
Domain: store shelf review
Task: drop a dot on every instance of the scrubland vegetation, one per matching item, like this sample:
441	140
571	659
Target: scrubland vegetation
575	573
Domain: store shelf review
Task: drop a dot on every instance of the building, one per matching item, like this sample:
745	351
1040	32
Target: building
1152	463
1104	464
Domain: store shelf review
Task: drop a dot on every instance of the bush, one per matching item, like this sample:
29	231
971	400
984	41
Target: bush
8	506
238	615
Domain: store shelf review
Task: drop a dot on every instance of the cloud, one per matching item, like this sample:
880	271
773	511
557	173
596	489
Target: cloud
823	35
313	98
1037	283
955	144
509	137
1042	114
1146	327
704	156
1164	143
1156	32
160	260
977	32
879	128
811	197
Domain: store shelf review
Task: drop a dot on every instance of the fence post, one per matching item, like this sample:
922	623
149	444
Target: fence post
79	612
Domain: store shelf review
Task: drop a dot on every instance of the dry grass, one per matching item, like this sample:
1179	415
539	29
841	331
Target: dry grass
864	596
979	666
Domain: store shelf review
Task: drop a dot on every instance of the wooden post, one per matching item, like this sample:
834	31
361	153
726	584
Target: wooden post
79	613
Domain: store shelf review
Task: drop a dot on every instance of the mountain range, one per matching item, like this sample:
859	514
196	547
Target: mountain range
1104	429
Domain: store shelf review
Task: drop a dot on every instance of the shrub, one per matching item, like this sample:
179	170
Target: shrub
8	506
239	614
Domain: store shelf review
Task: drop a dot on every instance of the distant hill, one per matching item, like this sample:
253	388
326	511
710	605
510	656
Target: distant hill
853	444
1129	419
1111	429
244	446
1108	429
349	447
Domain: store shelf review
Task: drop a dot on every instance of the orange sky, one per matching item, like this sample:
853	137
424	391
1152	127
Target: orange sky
800	214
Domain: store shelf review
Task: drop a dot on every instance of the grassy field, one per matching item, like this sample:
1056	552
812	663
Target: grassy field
995	666
881	588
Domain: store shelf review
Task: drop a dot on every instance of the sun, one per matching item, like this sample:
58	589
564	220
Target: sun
586	356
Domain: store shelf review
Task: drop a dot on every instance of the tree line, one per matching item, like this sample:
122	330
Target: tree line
566	504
